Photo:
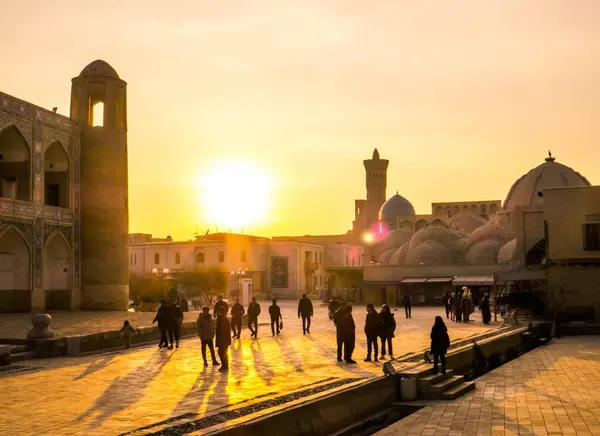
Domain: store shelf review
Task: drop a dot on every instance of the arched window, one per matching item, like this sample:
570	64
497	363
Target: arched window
97	118
14	165
200	257
56	176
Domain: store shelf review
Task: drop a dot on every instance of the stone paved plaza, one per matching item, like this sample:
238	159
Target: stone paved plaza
118	392
553	390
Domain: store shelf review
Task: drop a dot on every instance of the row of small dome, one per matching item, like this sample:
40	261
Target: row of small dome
490	243
524	191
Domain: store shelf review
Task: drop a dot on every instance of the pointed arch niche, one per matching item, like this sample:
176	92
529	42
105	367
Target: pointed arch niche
57	272
15	162
57	176
15	272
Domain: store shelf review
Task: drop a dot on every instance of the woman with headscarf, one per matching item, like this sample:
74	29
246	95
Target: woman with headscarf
486	313
387	330
440	342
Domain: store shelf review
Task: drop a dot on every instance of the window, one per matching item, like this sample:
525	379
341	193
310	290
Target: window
200	258
352	260
221	256
135	258
243	255
307	256
156	258
591	237
177	257
131	259
346	259
97	115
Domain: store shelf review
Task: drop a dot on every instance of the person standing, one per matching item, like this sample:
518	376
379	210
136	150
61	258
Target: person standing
387	331
466	309
458	306
275	313
160	318
206	333
348	334
447	304
237	311
128	331
305	310
407	300
339	330
486	313
451	305
373	327
177	316
220	304
223	339
440	342
253	312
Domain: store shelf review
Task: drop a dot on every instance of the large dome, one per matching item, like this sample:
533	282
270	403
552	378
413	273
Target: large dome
99	68
550	174
396	206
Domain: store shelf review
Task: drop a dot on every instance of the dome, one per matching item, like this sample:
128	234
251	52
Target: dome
99	68
385	255
466	221
458	249
491	231
398	237
550	174
396	206
508	252
434	233
485	251
428	253
399	255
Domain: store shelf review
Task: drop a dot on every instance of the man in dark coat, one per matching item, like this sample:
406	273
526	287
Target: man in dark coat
206	333
373	327
407	300
223	339
253	312
160	318
174	319
440	342
220	304
305	310
275	313
458	306
348	334
339	329
486	313
237	311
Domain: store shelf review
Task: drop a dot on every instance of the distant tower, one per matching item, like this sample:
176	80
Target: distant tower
99	103
376	180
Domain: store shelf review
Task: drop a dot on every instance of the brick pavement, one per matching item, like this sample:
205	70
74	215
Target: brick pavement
119	392
553	390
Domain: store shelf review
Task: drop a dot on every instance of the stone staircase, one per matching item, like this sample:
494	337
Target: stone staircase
438	386
15	353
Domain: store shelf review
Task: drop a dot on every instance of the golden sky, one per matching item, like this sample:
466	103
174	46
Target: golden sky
463	97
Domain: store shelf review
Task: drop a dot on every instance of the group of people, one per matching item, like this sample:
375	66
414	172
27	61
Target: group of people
459	306
169	318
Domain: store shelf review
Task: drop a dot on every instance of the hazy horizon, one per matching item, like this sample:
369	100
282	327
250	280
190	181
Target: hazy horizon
462	97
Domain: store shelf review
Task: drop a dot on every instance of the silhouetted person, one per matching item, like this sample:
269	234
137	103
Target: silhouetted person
447	304
206	332
373	327
275	314
220	304
253	312
161	319
174	319
305	310
348	334
486	313
452	309
387	330
339	329
440	342
458	306
407	300
223	339
333	306
237	311
128	331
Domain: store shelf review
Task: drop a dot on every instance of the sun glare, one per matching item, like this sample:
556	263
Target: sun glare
235	195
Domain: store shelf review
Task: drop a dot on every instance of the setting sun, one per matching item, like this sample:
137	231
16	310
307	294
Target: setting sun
235	195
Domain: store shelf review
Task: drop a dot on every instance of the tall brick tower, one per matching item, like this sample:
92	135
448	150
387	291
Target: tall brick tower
99	103
376	180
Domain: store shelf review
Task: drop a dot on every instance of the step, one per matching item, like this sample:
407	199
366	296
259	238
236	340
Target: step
431	379
458	390
20	357
17	349
447	384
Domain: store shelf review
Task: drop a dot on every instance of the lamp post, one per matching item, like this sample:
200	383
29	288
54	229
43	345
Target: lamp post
161	274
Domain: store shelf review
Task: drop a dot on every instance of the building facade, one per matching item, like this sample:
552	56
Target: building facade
63	227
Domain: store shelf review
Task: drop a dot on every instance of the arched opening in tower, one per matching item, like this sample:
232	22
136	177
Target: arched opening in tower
56	176
97	114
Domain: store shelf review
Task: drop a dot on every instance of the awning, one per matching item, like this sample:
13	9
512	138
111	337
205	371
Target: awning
473	281
440	280
367	284
414	280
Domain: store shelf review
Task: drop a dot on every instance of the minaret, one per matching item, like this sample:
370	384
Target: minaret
376	181
99	104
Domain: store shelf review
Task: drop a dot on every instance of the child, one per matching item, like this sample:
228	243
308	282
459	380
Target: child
128	332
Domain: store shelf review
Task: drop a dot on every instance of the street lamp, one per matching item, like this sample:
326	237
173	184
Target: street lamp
161	274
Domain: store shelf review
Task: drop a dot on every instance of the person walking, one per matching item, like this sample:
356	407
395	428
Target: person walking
451	305
486	313
160	318
373	326
206	333
128	331
348	334
177	317
305	310
237	311
458	306
387	331
275	313
223	339
440	342
407	300
253	312
339	330
169	320
447	304
220	304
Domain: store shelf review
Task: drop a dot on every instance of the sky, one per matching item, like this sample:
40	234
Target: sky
462	97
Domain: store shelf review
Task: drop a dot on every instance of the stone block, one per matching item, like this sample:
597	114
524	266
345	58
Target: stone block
4	350
73	345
